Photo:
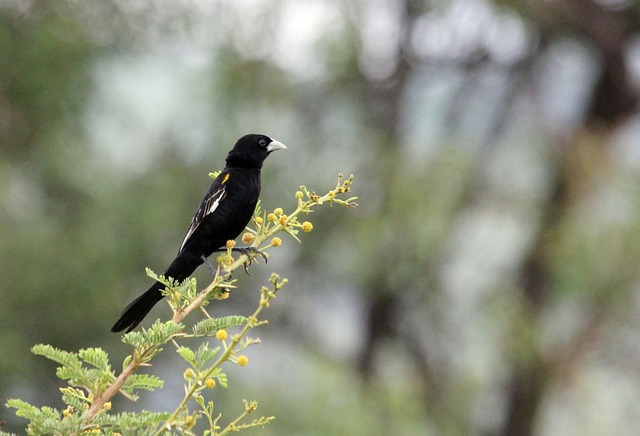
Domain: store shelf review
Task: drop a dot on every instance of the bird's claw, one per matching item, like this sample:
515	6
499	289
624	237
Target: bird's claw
250	252
254	251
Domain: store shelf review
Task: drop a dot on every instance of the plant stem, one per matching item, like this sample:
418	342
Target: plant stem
224	357
111	390
233	423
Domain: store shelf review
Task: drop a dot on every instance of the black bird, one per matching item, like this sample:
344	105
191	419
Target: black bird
222	215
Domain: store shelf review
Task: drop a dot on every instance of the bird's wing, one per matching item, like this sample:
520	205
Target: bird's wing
209	204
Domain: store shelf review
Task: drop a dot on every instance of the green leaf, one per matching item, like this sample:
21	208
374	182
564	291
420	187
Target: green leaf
187	354
64	358
200	358
45	420
24	409
142	381
222	379
77	376
74	397
209	326
133	423
159	334
95	357
205	354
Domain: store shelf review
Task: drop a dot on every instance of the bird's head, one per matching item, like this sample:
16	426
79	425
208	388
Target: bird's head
250	151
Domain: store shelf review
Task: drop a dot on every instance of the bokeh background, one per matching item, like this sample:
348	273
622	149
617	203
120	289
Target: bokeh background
489	282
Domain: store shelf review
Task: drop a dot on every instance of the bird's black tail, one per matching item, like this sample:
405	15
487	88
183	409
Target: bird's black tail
181	268
138	309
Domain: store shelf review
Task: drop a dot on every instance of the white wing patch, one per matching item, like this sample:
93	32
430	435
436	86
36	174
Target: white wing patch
206	208
214	205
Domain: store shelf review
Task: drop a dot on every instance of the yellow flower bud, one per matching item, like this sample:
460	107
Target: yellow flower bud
278	211
107	405
284	220
221	335
248	238
299	194
230	243
276	242
307	226
209	383
189	421
243	360
259	219
188	373
271	217
222	294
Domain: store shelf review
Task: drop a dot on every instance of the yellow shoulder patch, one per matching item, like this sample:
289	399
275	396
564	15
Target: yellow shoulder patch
226	178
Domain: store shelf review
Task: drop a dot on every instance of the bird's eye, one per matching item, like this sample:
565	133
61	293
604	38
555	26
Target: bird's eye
262	142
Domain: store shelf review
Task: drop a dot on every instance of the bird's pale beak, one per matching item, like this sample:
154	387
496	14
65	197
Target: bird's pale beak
275	145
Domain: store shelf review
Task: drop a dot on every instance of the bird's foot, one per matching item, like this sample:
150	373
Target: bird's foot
250	252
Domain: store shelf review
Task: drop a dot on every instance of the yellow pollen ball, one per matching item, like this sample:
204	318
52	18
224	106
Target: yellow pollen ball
209	383
222	295
188	373
190	421
284	220
307	226
259	219
299	194
276	242
230	243
278	211
221	335
271	217
243	360
248	238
